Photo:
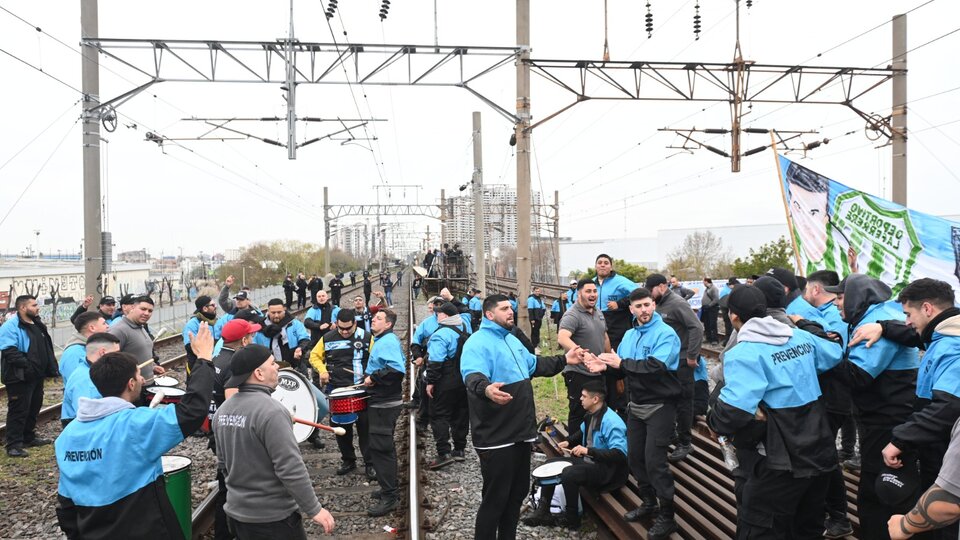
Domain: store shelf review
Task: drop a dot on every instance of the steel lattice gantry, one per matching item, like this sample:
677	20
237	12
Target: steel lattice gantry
312	63
336	211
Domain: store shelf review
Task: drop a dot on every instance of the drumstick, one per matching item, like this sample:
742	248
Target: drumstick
143	365
157	398
350	371
335	430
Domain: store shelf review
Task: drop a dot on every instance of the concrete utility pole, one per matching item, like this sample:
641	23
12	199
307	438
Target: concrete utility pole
523	162
478	232
443	216
898	121
326	232
556	236
92	218
291	97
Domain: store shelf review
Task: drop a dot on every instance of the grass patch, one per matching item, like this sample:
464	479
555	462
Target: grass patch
550	393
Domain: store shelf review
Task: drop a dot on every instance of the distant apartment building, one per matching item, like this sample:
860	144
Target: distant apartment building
499	219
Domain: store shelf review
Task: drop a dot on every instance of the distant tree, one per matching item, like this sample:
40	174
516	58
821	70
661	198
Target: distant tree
633	272
266	263
776	253
700	254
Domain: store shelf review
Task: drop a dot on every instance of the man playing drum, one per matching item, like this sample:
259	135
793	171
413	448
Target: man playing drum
599	458
267	483
111	477
340	357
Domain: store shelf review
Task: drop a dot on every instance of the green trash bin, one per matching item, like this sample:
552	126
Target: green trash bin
176	473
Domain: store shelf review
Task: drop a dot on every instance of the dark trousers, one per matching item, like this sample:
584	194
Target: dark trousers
345	441
709	318
366	297
575	381
572	479
776	505
535	325
383	451
848	435
289	298
334	296
23	405
873	512
301	299
836	501
420	396
685	412
506	477
289	528
648	440
450	418
221	527
701	395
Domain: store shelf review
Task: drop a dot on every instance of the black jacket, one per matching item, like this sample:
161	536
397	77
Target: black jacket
35	363
677	313
340	352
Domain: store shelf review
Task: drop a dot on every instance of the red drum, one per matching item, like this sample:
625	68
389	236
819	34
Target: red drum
345	403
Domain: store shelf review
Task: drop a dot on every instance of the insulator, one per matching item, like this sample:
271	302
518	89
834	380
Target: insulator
649	21
696	21
749	4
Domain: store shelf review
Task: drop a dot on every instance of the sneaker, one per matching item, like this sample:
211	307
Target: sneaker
852	464
837	528
442	461
346	467
662	528
458	455
371	473
681	452
384	507
17	452
38	442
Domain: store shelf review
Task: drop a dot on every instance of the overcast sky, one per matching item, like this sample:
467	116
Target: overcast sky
615	175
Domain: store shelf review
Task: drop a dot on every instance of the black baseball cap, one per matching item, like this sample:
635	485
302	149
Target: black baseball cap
242	295
107	300
747	302
449	309
788	278
128	299
244	361
836	289
897	486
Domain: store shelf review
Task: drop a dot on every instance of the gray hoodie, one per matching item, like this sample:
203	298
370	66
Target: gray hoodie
266	478
76	339
89	410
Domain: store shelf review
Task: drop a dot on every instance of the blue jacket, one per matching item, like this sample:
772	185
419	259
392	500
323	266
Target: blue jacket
938	387
111	477
426	328
443	366
494	355
882	378
193	325
386	367
650	356
17	362
774	368
615	288
700	372
801	307
555	308
535	307
571	297
475	304
73	357
612	434
79	386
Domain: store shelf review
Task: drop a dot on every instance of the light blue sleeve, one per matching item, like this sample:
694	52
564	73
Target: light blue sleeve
193	325
828	354
437	347
9	334
874	360
746	382
158	430
472	360
615	435
666	349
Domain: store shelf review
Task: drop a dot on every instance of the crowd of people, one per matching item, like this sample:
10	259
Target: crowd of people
804	359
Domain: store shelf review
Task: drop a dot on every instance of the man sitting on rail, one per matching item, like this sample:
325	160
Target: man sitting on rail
80	385
772	398
111	475
648	357
599	458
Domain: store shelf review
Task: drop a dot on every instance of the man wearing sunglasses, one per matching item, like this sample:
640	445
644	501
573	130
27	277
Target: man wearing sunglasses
206	312
340	357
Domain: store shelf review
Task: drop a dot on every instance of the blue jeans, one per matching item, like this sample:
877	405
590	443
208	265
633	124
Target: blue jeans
389	294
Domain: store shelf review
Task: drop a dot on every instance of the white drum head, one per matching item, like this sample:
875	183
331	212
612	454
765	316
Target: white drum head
338	393
167	391
175	463
550	470
163	380
293	391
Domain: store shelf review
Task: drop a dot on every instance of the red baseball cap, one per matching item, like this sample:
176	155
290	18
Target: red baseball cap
237	328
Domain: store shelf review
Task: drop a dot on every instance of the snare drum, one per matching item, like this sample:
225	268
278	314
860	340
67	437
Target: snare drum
170	395
294	392
345	404
549	473
163	380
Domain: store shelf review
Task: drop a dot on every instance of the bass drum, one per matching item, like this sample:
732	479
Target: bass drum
302	399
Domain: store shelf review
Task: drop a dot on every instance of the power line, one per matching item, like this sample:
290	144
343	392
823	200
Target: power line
38	135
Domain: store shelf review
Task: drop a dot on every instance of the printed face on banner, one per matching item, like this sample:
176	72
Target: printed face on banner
849	231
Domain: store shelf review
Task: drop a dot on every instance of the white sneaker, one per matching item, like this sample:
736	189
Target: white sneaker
536	350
